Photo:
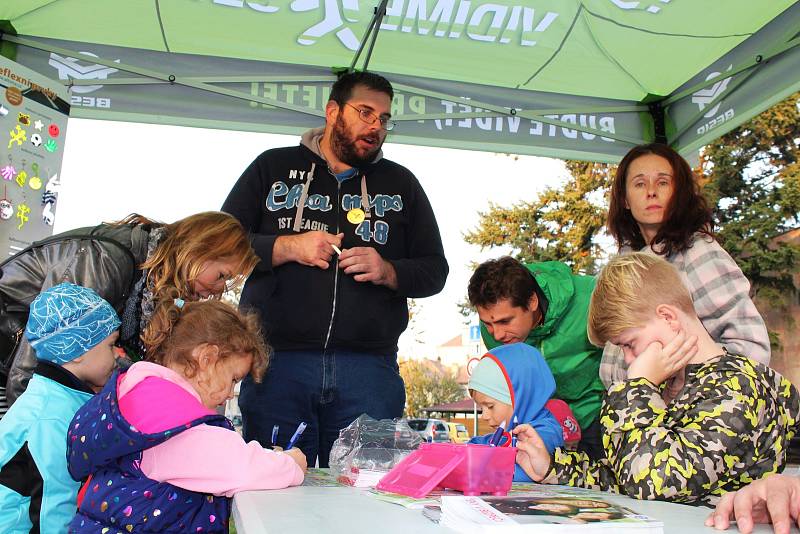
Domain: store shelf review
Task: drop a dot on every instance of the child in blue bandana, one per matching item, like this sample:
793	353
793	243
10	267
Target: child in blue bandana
514	380
73	331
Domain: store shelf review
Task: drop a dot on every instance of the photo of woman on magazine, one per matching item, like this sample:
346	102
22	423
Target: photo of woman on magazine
558	510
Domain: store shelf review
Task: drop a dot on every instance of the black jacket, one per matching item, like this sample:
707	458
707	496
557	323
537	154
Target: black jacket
306	308
106	262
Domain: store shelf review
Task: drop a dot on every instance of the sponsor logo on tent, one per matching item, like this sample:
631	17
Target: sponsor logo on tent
704	97
70	68
449	19
514	124
625	4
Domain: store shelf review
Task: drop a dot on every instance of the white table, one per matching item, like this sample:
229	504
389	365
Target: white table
345	510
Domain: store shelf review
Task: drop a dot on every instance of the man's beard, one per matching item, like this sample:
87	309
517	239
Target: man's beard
344	145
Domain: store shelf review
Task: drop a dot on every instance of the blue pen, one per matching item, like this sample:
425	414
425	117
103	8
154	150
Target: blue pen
275	435
495	439
297	433
513	426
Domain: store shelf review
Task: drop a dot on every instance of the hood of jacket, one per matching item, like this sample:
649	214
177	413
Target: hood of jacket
555	279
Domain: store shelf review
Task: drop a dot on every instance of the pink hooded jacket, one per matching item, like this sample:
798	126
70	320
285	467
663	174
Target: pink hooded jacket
208	459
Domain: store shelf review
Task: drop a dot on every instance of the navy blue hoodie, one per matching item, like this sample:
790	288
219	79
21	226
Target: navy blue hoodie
307	308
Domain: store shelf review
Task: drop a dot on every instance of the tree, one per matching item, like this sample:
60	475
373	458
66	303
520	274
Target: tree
562	224
752	178
427	385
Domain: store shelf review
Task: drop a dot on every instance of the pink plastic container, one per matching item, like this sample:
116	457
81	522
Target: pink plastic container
472	469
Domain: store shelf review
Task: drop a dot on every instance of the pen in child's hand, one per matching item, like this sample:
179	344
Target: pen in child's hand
495	439
275	435
514	423
297	433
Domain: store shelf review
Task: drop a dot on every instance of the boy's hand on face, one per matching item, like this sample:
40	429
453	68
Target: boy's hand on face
657	362
532	455
298	457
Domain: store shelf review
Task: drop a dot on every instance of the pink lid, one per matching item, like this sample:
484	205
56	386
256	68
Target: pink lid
421	471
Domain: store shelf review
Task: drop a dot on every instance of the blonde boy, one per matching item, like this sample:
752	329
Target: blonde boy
729	424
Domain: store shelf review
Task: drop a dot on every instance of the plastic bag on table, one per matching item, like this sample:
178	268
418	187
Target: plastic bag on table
368	449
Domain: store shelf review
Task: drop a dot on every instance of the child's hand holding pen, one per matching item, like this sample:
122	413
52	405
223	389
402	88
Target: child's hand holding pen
298	457
296	454
532	454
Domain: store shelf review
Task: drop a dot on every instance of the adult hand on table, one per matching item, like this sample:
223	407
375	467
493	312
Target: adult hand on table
367	265
532	454
309	248
774	499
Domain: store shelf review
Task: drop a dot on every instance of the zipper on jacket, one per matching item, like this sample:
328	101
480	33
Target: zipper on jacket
336	264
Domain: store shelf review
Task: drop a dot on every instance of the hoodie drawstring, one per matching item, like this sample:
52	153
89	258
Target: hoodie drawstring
301	203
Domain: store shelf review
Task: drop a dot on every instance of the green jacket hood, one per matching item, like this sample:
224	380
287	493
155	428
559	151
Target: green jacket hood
555	279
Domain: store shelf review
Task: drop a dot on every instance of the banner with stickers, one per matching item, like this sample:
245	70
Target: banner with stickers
33	125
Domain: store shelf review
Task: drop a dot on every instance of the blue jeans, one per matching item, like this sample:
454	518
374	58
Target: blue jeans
327	390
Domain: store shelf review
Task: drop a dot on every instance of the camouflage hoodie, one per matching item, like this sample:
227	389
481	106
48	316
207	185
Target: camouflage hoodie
729	425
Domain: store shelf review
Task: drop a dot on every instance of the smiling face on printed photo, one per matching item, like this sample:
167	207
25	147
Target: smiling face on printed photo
648	189
357	133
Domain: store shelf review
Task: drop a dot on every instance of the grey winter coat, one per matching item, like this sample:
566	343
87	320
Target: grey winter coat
105	258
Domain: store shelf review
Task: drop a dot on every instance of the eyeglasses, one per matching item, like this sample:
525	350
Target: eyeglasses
370	118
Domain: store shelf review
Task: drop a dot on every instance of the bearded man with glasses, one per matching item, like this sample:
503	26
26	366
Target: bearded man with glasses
345	236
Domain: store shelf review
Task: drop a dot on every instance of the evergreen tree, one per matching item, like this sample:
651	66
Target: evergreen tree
562	224
751	176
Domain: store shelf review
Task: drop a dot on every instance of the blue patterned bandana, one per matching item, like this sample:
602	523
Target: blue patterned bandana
67	320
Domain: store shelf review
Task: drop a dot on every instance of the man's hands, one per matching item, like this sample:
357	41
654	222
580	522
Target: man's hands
315	249
309	248
658	363
368	266
774	499
532	455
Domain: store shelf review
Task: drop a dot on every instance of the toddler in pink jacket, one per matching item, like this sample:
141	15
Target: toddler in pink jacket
156	454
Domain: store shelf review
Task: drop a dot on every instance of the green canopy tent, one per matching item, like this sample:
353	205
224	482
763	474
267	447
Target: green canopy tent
581	79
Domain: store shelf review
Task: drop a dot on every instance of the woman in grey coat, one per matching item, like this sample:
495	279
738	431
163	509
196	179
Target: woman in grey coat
129	263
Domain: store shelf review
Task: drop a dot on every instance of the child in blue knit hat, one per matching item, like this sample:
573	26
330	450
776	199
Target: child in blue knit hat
73	331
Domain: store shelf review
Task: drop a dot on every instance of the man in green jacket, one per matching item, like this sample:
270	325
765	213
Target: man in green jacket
545	306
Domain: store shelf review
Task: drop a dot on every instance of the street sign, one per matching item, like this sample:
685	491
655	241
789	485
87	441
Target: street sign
475	333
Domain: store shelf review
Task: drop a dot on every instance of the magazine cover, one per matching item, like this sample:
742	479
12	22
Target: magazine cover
556	511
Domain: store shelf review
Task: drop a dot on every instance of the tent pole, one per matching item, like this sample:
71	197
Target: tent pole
379	14
731	89
498	110
168	78
756	61
372	31
657	112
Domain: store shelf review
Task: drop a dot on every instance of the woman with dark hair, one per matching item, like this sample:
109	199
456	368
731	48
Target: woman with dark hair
131	264
656	206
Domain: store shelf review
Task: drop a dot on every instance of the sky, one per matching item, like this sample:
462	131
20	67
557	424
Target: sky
111	169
